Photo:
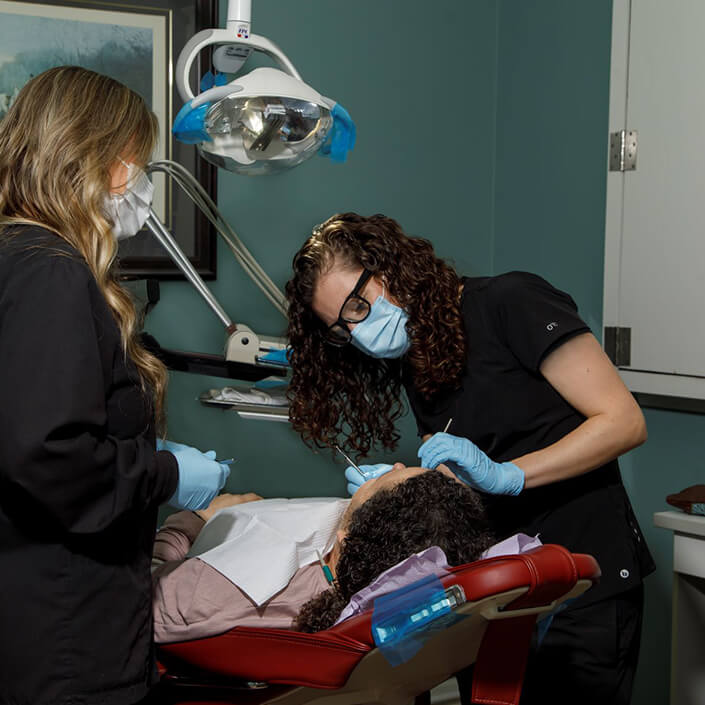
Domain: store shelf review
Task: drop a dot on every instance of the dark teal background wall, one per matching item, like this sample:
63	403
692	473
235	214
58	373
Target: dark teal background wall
552	110
671	460
482	127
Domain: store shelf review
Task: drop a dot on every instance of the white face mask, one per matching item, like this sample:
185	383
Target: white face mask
129	210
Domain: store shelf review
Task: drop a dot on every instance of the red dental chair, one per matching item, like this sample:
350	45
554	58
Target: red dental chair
342	666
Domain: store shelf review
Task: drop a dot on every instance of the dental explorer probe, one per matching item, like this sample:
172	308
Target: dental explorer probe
357	467
347	457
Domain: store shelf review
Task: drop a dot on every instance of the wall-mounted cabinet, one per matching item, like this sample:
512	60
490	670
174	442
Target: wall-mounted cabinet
654	313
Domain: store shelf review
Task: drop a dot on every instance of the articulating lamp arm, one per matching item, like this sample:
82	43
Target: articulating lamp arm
168	242
243	345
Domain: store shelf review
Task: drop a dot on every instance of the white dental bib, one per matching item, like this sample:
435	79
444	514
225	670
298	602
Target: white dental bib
259	546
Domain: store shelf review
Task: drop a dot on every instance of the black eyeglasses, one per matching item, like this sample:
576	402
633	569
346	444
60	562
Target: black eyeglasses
355	309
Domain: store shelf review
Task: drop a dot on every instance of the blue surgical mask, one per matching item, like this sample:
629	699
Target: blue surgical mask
383	333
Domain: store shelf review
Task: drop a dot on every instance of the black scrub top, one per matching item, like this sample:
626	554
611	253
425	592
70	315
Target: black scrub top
507	408
80	484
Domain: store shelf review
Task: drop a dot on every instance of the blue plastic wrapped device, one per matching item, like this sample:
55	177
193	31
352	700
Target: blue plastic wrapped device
405	619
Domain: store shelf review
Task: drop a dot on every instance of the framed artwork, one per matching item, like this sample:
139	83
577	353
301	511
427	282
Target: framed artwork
137	44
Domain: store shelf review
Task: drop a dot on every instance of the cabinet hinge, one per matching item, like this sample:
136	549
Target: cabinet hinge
618	345
623	146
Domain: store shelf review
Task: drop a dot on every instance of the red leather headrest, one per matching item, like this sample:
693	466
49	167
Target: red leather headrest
548	571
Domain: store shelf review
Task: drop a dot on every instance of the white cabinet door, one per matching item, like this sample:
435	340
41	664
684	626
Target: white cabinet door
655	234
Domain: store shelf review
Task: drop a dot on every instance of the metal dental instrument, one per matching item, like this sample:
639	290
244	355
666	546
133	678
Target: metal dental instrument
229	461
347	457
450	421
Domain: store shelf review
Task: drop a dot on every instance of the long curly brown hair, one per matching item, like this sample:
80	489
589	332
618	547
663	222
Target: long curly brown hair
340	390
426	510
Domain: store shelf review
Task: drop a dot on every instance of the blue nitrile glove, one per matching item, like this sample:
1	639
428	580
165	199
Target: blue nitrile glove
356	480
200	478
471	465
163	444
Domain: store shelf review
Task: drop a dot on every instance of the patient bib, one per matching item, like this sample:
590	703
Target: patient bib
259	546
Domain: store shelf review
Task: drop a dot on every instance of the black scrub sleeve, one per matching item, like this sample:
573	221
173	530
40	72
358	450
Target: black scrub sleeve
533	318
55	368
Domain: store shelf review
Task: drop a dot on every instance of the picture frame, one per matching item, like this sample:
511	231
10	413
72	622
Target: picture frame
138	44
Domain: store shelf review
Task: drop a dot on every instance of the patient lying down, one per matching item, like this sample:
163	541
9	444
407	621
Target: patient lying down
388	519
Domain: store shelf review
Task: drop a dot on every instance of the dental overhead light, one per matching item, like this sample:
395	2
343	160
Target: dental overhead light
265	121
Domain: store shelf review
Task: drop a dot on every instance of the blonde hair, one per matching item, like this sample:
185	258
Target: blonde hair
58	143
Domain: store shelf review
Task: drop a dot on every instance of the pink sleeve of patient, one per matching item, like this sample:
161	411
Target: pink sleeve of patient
175	537
192	600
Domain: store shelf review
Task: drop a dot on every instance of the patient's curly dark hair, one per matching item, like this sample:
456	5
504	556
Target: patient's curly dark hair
426	510
338	390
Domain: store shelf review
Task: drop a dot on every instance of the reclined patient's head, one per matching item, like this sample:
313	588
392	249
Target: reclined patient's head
394	518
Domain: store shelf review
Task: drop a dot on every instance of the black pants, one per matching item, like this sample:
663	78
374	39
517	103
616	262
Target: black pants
588	656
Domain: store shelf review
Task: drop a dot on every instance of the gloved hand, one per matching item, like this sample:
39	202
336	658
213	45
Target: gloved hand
200	477
471	465
163	444
356	480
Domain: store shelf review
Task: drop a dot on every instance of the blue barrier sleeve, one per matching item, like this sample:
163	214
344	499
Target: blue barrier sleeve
211	79
341	138
405	619
189	125
280	357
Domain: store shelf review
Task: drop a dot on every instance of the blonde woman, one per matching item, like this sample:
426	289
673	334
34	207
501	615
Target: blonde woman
80	400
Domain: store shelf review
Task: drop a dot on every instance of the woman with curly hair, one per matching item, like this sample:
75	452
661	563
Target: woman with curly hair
539	416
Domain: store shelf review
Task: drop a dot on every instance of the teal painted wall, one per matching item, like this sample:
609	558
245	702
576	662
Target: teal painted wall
421	90
670	461
552	116
512	176
550	178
